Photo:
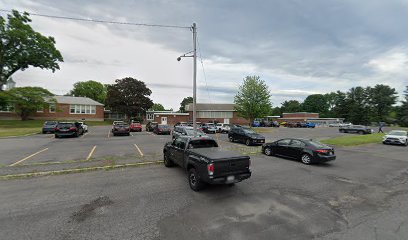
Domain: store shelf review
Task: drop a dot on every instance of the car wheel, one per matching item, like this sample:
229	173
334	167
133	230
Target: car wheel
167	162
342	131
268	151
306	159
248	142
406	143
360	132
194	180
56	136
231	139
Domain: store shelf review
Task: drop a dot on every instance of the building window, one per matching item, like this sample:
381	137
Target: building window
82	109
210	114
40	109
150	116
7	108
52	108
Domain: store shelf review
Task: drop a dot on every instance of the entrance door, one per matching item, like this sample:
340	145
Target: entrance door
226	120
164	120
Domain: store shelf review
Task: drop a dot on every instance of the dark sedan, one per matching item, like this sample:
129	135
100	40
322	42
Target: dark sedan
307	151
246	136
68	129
162	129
49	127
121	129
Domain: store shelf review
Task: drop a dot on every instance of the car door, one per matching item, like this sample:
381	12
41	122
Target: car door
282	147
295	148
179	150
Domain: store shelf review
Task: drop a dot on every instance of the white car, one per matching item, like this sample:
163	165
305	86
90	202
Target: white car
339	124
396	137
84	126
223	127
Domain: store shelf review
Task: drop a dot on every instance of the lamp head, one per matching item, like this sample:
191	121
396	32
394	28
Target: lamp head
179	59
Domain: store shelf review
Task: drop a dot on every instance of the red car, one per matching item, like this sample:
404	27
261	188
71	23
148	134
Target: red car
135	127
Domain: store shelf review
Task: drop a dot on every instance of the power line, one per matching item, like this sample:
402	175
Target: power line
102	21
202	65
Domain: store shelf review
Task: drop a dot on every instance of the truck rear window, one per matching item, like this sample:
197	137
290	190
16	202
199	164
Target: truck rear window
202	144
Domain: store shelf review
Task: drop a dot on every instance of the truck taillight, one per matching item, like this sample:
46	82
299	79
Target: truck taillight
210	168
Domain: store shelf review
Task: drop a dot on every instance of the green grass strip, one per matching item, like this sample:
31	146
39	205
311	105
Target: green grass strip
353	140
76	170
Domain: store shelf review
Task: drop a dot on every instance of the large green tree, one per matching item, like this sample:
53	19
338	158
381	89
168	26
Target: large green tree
253	99
91	89
158	107
316	103
184	103
381	99
21	47
129	96
358	106
291	106
27	100
402	114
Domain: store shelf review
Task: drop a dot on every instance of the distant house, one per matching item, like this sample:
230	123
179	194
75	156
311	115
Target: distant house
216	112
65	108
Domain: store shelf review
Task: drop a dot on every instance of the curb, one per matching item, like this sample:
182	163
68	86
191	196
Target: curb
76	170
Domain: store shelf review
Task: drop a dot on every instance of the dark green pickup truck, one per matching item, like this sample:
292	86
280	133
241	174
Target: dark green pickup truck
205	162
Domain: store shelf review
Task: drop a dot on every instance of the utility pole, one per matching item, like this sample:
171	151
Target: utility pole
194	28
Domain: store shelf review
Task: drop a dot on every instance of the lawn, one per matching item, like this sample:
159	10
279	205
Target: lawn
352	140
20	128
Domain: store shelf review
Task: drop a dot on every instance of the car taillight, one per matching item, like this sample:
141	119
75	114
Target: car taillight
72	128
56	129
210	168
322	151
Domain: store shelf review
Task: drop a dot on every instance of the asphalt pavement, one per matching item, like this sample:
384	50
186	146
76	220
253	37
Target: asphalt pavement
360	195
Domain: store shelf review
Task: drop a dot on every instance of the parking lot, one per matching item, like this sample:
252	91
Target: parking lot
360	195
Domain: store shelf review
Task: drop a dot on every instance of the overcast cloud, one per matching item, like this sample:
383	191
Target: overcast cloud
298	47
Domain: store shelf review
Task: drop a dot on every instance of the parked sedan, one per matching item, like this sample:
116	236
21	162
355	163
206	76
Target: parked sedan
186	131
307	151
135	127
356	129
49	127
399	137
68	129
246	136
121	129
162	129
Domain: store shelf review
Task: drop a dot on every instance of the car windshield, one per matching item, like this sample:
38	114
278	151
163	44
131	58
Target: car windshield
65	125
248	131
316	144
122	125
50	123
163	126
398	133
202	144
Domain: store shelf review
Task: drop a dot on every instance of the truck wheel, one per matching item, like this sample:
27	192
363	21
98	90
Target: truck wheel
231	139
167	162
248	142
194	180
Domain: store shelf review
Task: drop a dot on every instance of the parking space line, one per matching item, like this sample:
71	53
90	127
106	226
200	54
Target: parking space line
91	153
138	149
109	133
32	155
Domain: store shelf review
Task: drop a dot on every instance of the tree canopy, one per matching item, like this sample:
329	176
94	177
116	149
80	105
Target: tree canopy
130	96
402	114
185	102
21	47
158	107
316	103
27	100
253	99
91	89
291	106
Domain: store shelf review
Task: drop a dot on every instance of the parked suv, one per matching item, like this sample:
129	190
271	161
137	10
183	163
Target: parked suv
246	136
162	129
49	127
121	129
68	129
209	128
223	127
356	129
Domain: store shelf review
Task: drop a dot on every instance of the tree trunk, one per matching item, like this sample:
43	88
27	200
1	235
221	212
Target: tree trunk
24	115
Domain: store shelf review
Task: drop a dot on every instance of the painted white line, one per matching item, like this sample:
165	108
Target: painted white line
109	133
91	153
138	149
83	135
32	155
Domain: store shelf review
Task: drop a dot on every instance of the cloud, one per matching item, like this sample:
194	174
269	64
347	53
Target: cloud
298	47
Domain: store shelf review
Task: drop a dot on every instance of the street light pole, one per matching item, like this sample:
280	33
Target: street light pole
194	28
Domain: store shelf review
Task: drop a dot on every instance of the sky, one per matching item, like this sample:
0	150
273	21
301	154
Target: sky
297	47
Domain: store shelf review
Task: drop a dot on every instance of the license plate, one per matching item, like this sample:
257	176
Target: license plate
230	178
330	153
